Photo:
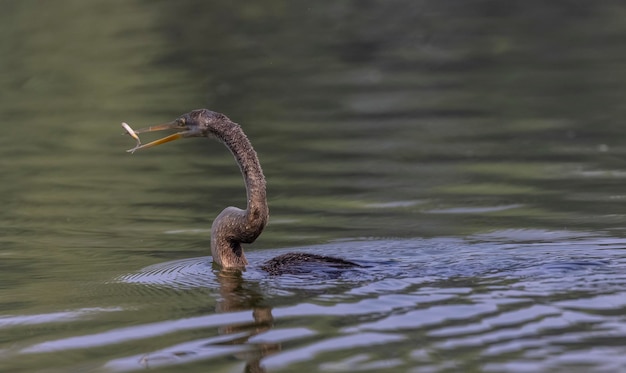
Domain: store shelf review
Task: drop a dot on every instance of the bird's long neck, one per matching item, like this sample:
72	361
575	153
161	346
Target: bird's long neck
234	226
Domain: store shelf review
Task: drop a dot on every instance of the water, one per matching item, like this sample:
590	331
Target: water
469	156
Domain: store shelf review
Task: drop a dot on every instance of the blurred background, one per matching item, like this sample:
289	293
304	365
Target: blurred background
372	119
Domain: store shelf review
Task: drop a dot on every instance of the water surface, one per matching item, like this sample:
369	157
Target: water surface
469	156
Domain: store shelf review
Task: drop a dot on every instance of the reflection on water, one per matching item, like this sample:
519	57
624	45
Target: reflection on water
514	294
470	156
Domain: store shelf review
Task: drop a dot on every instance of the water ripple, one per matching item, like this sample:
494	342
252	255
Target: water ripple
491	302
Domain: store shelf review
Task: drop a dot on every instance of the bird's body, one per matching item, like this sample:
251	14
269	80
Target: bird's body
234	226
296	263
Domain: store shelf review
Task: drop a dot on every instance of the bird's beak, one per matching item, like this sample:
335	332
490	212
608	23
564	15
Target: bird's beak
161	127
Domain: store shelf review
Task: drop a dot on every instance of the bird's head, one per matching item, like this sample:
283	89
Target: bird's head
197	123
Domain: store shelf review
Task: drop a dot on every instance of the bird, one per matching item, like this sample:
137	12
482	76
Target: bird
234	226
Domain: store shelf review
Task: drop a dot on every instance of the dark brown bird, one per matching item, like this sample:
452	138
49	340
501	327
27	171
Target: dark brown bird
234	226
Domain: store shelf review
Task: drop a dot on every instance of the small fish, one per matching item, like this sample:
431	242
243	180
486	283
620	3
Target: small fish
132	133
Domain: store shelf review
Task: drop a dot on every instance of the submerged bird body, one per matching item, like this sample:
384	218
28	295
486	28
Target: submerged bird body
297	263
234	226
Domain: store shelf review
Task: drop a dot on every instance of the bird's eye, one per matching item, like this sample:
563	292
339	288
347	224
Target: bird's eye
181	122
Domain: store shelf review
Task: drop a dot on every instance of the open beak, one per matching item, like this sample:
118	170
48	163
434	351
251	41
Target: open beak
161	127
